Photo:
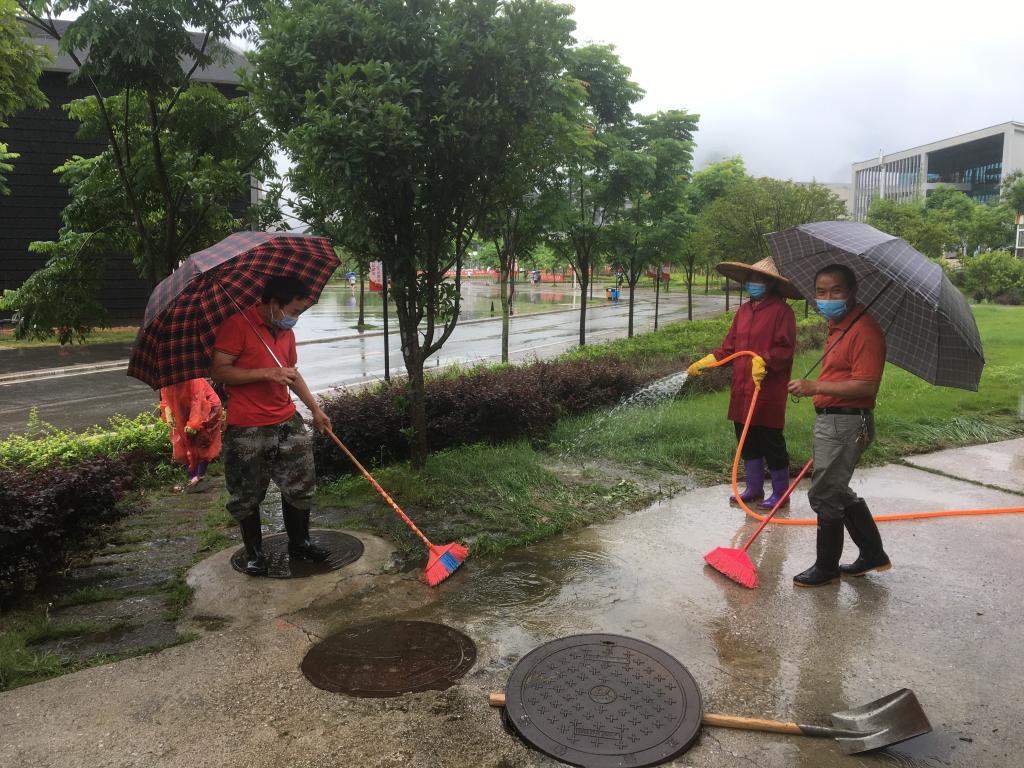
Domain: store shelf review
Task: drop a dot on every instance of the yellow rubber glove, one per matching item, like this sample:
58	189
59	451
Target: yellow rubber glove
698	368
758	370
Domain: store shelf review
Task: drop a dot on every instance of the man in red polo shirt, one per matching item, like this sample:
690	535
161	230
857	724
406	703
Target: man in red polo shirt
254	356
844	399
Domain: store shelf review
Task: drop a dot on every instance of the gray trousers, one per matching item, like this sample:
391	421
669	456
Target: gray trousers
253	456
839	441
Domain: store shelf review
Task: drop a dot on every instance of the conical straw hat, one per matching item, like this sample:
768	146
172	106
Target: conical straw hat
742	273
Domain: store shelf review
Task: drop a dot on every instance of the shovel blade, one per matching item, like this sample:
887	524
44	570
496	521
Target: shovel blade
881	723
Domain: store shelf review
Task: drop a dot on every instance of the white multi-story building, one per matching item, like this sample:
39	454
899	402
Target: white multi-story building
975	163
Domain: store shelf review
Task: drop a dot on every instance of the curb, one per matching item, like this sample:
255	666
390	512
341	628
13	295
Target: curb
56	373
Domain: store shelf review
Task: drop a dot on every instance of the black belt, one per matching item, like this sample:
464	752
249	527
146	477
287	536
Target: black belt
842	411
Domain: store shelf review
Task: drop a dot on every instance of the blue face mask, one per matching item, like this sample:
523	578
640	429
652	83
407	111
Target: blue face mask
284	322
833	309
756	290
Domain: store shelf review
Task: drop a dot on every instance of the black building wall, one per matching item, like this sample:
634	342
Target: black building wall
45	139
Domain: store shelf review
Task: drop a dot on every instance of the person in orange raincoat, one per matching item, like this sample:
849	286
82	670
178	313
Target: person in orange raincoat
192	410
766	326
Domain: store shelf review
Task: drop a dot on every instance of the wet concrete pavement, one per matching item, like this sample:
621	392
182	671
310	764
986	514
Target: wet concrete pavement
944	622
333	355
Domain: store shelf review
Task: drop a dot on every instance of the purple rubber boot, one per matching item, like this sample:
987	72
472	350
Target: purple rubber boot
780	482
753	471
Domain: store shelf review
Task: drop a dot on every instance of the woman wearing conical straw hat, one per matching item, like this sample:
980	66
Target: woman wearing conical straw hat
766	326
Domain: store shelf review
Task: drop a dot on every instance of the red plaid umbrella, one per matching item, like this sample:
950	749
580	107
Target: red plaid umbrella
186	308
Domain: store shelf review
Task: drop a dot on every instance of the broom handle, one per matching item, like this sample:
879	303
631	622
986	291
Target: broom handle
732	721
778	504
380	490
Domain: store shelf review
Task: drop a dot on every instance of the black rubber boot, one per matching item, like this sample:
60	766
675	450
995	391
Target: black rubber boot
252	538
296	523
865	535
830	547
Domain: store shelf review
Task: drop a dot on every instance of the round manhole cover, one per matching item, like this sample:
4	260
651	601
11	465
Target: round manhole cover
390	658
344	549
604	700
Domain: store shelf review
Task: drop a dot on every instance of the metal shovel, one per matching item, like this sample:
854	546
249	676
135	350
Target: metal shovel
880	723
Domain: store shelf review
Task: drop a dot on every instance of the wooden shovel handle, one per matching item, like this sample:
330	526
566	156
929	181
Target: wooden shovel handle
729	721
751	724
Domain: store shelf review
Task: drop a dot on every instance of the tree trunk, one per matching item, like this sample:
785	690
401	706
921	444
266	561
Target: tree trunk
689	296
384	295
503	270
583	303
417	411
657	296
632	286
362	295
707	281
726	294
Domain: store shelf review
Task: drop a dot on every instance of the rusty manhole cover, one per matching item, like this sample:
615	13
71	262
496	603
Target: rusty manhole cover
389	658
344	549
604	700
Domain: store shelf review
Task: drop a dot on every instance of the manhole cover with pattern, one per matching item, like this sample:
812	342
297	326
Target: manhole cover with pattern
390	658
604	700
344	549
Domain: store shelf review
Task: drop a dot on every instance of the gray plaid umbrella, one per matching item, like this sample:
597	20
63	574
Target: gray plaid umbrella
929	328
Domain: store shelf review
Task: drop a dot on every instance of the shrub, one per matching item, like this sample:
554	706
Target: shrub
496	404
490	405
46	515
993	276
144	438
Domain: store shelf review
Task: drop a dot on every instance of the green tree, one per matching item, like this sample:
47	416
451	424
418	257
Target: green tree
524	200
651	173
20	67
734	225
950	210
587	199
1012	191
993	275
179	154
412	112
698	248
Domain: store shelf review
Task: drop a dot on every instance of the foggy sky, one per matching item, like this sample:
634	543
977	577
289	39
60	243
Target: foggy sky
802	89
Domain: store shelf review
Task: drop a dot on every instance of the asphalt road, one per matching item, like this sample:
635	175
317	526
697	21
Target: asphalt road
77	400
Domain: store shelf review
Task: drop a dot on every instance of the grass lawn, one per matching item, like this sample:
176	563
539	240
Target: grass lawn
123	334
499	497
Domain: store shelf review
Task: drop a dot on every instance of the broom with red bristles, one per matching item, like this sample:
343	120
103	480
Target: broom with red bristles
736	563
443	561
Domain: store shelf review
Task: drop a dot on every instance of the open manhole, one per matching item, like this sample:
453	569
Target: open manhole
604	700
344	549
390	658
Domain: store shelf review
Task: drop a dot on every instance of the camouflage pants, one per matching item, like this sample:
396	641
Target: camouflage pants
253	456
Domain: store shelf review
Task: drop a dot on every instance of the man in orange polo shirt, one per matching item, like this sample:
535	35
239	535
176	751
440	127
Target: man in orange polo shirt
844	399
254	355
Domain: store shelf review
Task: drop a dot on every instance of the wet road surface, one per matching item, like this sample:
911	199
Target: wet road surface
79	400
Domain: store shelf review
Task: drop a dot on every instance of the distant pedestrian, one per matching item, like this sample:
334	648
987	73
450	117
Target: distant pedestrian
766	326
844	401
192	410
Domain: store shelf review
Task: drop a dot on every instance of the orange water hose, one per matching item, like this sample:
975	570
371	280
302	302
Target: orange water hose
814	521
